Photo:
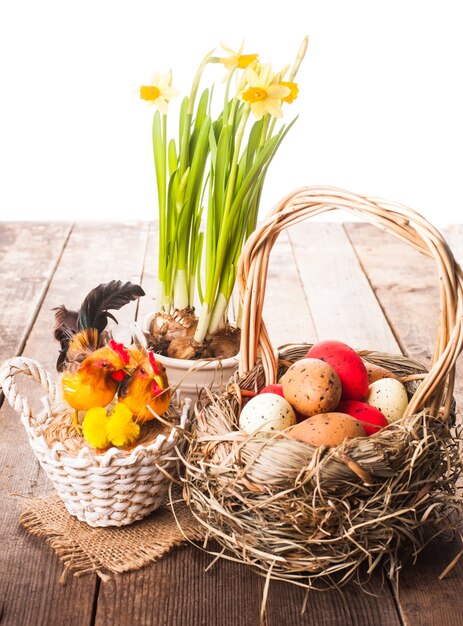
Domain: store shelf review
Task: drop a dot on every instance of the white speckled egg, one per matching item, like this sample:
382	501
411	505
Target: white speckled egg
268	412
389	396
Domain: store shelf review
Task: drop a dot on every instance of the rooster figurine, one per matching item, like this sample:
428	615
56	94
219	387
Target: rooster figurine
146	391
92	363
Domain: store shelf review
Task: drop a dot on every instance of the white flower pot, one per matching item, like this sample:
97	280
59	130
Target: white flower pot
189	376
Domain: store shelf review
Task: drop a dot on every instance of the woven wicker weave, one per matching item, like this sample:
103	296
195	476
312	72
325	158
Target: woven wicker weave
299	513
111	489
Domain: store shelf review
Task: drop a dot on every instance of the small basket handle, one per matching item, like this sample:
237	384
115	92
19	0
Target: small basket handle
398	220
20	365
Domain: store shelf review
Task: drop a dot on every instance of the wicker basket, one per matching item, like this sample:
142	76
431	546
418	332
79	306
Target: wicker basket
114	488
314	515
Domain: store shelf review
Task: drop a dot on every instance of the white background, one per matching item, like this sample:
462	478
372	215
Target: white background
380	98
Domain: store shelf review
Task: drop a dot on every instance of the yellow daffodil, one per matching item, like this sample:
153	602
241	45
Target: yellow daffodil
294	91
262	95
159	92
237	59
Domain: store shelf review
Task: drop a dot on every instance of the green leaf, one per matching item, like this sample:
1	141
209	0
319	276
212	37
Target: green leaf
201	113
222	167
199	257
267	152
172	157
254	138
198	162
182	119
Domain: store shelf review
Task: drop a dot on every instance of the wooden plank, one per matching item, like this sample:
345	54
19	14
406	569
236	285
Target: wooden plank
28	256
29	571
286	310
406	284
335	285
148	304
177	590
423	599
367	605
341	301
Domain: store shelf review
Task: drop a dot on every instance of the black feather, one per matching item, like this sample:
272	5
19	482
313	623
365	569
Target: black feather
93	312
123	390
65	329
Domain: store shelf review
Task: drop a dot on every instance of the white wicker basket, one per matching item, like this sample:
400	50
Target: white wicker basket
111	489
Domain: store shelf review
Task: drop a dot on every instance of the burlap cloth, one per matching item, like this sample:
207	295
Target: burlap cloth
107	551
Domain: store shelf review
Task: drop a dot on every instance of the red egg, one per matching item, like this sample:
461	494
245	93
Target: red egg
278	390
372	419
348	366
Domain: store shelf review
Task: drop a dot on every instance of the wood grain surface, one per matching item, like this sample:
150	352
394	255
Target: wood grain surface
350	282
29	571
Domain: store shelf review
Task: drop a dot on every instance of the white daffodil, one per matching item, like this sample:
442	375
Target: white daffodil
159	92
262	95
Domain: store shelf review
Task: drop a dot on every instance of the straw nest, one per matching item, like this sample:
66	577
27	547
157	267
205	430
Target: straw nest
61	429
302	513
305	514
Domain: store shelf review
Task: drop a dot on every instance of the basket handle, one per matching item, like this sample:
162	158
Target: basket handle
398	220
20	365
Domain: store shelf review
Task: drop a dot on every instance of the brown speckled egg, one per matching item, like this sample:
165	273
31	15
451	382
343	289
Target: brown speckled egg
376	372
312	386
329	429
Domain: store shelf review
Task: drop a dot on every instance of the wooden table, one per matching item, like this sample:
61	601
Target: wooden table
350	282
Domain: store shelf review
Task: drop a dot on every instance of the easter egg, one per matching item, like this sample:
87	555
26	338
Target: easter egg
312	386
347	364
266	413
376	372
329	429
275	388
369	416
389	396
278	389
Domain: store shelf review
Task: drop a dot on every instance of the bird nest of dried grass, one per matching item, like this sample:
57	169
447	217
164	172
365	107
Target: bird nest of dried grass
314	515
305	513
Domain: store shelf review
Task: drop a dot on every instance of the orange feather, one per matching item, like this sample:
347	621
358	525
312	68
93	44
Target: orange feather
147	389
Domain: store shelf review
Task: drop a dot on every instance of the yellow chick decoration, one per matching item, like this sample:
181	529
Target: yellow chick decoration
100	430
122	430
94	427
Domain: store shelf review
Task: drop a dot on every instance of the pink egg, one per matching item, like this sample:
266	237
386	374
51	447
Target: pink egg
348	366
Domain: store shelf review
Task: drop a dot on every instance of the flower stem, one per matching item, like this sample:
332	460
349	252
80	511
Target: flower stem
218	317
181	290
203	324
